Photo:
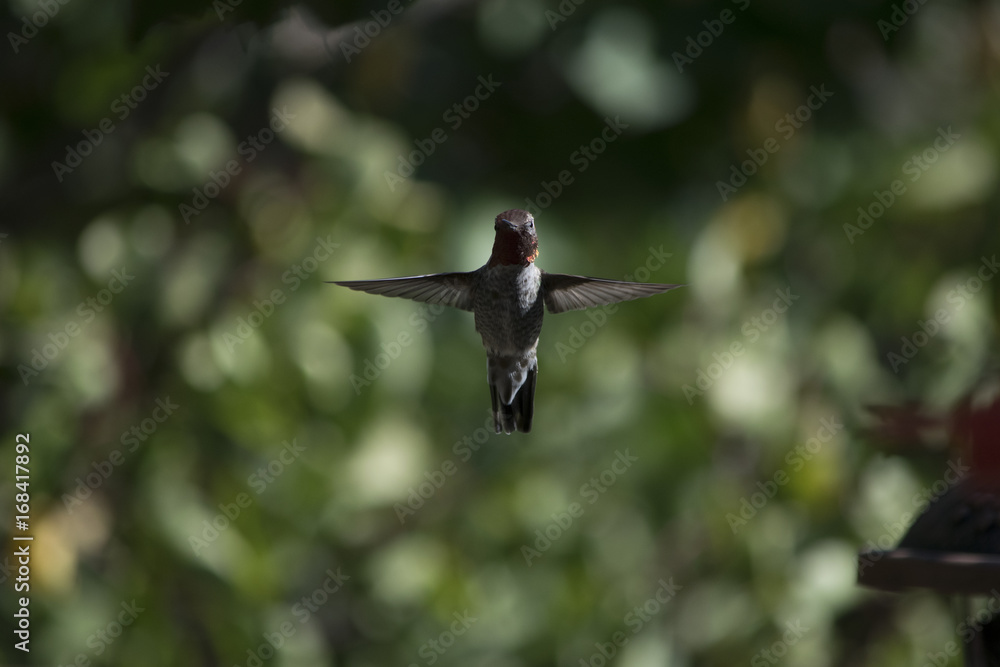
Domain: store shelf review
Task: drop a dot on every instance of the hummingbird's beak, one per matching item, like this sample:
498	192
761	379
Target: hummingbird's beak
510	225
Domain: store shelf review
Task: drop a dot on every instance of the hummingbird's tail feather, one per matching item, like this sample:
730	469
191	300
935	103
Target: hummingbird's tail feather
524	401
512	391
503	415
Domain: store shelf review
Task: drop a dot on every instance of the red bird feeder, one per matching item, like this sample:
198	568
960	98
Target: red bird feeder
954	546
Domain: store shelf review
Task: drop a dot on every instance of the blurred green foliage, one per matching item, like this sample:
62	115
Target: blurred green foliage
251	457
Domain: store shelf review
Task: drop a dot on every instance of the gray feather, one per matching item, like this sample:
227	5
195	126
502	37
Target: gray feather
447	289
565	292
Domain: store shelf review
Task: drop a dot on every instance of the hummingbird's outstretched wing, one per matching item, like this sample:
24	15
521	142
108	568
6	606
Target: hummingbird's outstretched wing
447	289
564	292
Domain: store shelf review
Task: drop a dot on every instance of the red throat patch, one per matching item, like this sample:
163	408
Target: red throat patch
511	249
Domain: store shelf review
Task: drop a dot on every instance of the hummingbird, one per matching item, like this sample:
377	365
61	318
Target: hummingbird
508	296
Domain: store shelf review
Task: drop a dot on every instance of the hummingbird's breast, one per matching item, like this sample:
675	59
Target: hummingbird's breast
508	308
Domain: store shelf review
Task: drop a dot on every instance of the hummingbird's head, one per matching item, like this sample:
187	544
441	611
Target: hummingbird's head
516	241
